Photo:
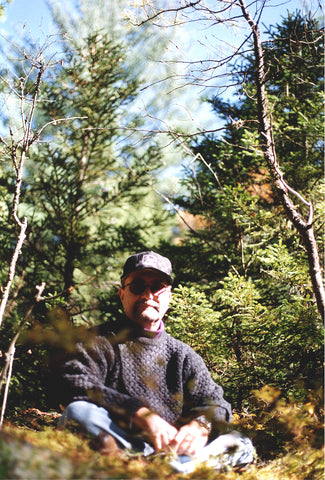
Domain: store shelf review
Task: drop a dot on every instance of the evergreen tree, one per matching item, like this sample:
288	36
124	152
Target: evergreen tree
88	197
231	189
90	188
246	257
146	50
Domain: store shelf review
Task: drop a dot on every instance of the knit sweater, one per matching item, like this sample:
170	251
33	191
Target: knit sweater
124	368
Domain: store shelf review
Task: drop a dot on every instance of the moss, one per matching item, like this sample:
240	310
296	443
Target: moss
35	449
52	454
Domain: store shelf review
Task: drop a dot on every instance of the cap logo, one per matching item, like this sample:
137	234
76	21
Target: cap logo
148	260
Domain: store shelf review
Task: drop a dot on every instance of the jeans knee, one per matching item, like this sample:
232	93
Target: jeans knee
78	411
88	415
78	406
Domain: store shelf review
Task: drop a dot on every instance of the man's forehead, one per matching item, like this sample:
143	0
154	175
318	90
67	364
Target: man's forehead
146	274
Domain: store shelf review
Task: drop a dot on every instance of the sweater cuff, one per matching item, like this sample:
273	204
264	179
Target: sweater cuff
131	406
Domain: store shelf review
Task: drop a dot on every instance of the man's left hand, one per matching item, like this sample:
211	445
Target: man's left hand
190	439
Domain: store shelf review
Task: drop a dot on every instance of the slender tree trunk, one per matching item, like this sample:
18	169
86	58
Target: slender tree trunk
305	228
6	372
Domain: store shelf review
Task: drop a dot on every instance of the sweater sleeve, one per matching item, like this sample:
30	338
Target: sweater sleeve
84	378
202	396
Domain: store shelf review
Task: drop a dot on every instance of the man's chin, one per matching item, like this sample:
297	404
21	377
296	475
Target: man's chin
147	319
148	316
149	313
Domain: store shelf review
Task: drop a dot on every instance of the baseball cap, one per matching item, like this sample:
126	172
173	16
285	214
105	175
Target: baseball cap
148	260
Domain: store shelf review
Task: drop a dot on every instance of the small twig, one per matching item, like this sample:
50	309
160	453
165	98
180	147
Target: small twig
211	170
12	268
53	122
2	140
6	373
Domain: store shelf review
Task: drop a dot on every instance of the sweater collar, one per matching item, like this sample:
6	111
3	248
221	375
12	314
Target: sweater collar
136	331
156	333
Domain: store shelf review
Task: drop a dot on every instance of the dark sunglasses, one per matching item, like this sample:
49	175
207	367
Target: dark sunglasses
138	286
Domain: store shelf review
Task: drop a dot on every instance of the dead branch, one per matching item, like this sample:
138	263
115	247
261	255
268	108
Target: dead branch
18	165
6	372
305	228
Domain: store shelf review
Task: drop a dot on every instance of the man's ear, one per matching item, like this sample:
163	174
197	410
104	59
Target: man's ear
121	293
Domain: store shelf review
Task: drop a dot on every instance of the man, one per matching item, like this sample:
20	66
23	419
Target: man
136	387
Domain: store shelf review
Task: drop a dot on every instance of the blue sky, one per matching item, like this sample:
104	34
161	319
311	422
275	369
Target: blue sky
34	14
33	17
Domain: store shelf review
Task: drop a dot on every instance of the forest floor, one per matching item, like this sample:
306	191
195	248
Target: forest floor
32	448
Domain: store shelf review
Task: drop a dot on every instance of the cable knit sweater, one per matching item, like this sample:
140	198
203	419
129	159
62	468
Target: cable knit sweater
124	369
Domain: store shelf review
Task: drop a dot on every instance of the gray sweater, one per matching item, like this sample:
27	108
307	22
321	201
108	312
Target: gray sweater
123	368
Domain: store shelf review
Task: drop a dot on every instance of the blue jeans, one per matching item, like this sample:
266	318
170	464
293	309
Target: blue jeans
231	449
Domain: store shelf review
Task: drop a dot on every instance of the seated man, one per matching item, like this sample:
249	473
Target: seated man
136	387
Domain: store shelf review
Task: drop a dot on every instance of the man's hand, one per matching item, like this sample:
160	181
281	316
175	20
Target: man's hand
160	432
190	439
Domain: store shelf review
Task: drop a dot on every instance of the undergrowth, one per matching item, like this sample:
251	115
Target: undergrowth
288	440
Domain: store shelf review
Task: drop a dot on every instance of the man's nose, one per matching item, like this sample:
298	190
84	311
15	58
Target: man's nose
147	292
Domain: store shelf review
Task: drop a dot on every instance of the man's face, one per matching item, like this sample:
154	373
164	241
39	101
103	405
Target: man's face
145	298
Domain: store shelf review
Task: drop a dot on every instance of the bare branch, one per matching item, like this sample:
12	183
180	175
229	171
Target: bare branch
52	122
304	228
6	372
168	10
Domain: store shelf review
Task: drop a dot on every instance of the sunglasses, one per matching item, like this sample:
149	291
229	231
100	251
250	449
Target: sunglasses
138	286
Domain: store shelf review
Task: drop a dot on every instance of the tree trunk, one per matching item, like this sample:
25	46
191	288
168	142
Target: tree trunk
305	228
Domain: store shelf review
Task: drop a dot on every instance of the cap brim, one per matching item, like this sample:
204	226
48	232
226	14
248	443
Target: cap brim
168	277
